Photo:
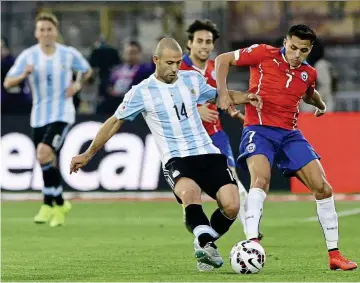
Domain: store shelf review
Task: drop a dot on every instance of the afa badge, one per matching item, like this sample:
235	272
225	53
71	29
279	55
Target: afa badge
304	76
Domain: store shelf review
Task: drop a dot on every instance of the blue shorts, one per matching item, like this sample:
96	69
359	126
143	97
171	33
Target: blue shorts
287	148
221	141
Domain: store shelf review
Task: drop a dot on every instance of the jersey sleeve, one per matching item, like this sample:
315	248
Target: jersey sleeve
206	92
19	66
312	83
249	56
79	63
132	105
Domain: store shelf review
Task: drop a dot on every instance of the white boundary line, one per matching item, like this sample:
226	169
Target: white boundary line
340	214
154	196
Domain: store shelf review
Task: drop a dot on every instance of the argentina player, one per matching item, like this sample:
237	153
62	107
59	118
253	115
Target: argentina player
168	102
49	68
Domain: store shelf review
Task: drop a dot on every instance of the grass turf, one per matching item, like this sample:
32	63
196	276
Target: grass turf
147	241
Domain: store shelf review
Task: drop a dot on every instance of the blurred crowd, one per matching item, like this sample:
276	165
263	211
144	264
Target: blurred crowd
115	74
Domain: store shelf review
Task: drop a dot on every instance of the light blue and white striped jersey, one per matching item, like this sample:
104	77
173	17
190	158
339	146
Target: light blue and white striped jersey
51	77
170	111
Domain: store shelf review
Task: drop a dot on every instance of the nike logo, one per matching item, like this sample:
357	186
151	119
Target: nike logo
250	261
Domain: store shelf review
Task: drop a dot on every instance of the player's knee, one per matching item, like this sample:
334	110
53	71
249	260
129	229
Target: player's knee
322	189
188	195
231	209
261	182
44	154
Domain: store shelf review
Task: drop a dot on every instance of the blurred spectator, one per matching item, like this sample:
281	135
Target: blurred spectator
16	100
102	59
326	82
124	76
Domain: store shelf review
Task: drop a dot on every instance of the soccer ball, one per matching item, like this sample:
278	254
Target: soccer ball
247	257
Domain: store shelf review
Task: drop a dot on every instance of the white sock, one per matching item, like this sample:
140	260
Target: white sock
329	221
243	194
254	208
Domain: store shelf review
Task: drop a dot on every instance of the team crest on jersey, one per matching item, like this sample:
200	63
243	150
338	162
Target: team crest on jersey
213	75
193	92
304	76
251	147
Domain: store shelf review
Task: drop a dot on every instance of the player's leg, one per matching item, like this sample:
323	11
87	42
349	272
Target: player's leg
300	159
221	141
46	155
180	173
312	175
257	148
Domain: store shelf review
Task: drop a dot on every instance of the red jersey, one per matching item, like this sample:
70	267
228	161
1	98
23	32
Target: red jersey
280	86
209	74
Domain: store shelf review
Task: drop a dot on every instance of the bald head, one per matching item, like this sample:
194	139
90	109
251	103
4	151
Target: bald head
167	43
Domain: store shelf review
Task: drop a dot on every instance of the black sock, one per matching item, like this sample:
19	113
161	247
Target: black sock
48	200
220	223
194	217
52	179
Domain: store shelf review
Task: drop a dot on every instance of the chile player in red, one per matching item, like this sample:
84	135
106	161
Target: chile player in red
201	38
282	78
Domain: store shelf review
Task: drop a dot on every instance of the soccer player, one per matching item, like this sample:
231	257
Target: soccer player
282	77
49	67
168	102
201	39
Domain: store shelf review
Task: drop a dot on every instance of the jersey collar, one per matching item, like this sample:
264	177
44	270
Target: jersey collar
282	52
186	59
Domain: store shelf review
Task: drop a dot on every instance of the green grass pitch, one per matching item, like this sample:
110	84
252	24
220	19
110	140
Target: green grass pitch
147	241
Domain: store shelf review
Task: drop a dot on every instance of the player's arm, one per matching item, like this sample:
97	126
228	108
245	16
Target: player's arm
83	69
107	130
313	97
131	106
18	72
242	57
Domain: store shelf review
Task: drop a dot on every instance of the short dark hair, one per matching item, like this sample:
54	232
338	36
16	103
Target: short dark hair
47	17
303	32
135	43
203	25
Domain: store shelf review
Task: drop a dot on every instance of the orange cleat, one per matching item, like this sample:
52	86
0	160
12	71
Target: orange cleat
337	261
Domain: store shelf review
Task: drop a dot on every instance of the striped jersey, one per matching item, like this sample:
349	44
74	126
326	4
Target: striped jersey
170	111
51	77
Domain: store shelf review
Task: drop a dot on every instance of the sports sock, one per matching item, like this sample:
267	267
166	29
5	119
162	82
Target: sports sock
52	180
254	208
197	222
329	221
220	222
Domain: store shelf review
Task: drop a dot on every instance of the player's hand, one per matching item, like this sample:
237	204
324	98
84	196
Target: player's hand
319	112
78	162
206	114
224	101
236	114
256	101
73	89
28	70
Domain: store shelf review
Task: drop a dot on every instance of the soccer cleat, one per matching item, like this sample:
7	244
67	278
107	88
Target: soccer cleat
203	267
44	215
60	211
337	261
209	255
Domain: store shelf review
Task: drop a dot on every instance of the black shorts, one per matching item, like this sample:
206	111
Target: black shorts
209	171
51	134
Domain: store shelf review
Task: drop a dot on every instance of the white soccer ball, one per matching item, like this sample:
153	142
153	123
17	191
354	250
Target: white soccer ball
247	257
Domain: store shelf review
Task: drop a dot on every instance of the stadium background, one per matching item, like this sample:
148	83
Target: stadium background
131	163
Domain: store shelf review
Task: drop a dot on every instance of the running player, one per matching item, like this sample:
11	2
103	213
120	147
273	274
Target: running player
49	68
201	39
168	102
282	77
